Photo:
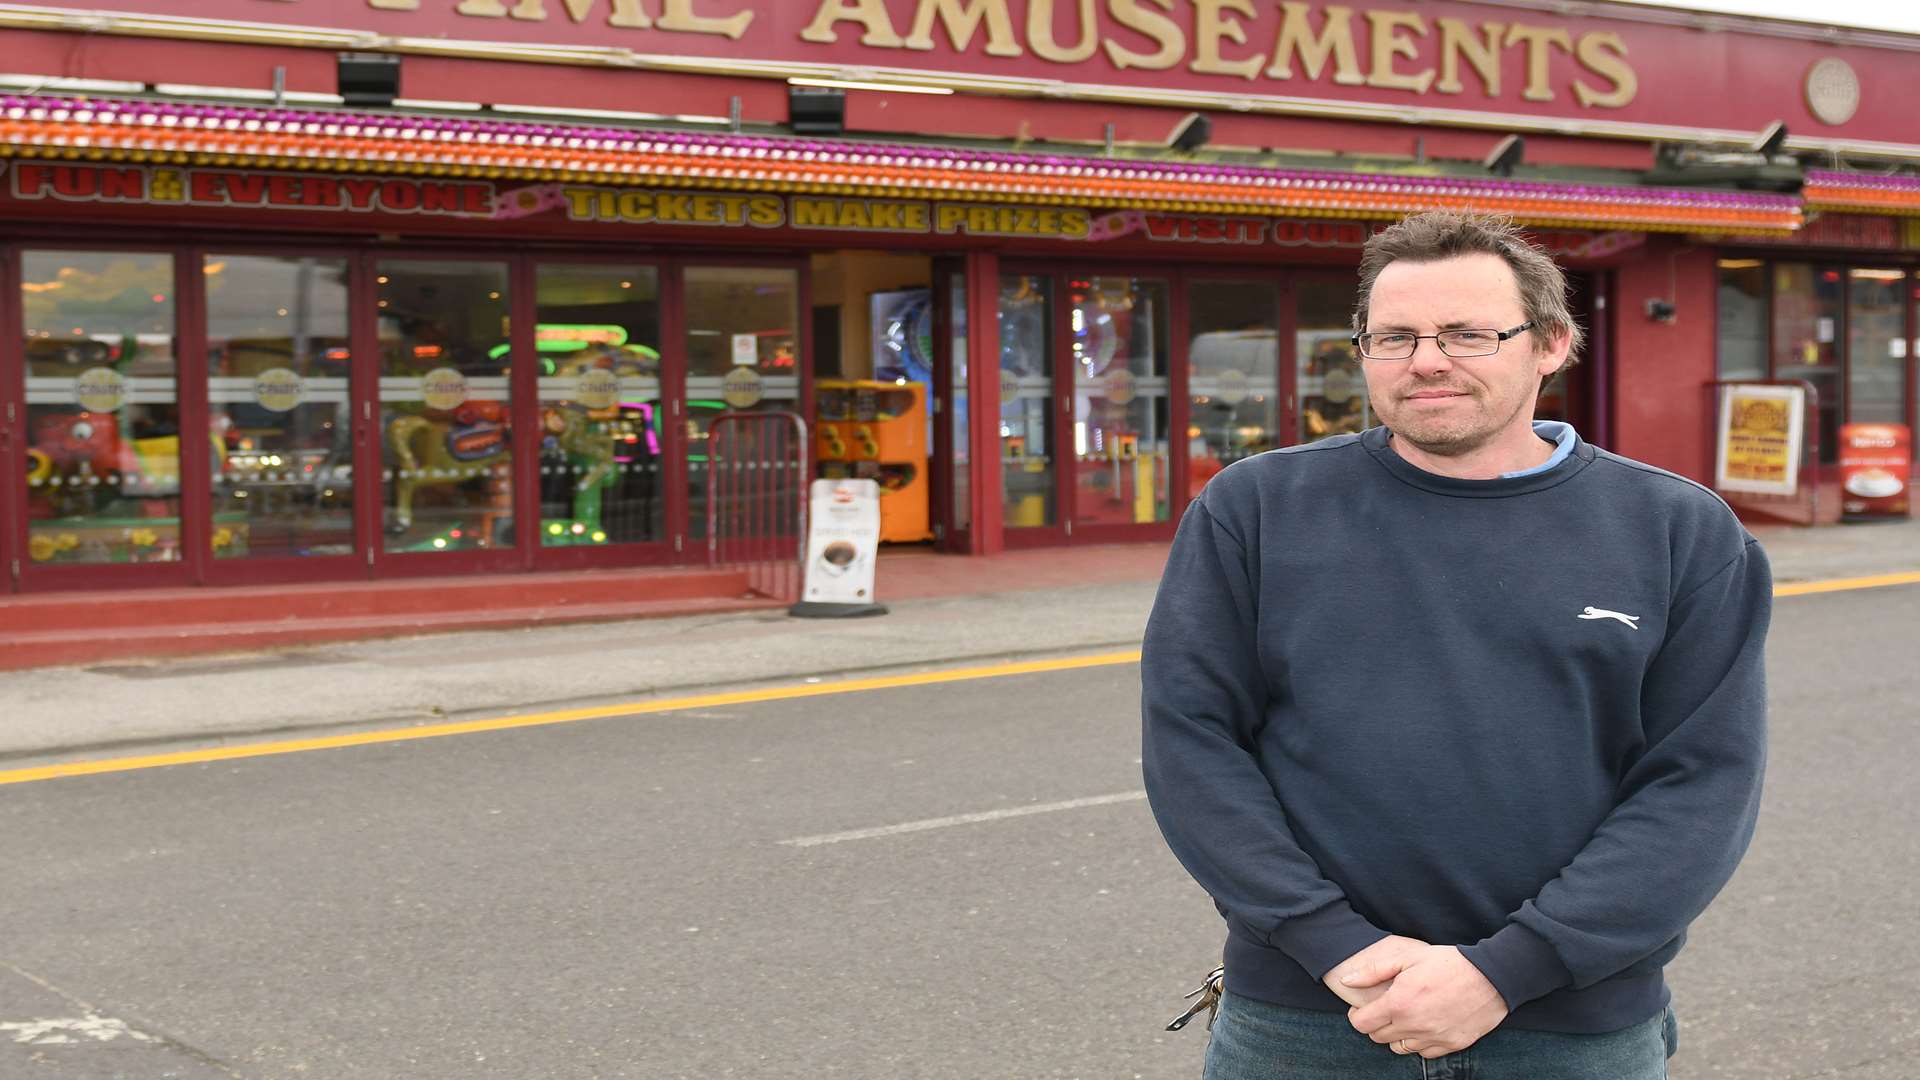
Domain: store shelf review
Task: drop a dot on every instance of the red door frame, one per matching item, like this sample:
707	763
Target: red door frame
988	534
673	415
948	536
363	340
1599	360
196	422
13	419
1065	478
98	575
978	274
1912	404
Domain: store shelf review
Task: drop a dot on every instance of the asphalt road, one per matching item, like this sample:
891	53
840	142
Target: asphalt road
626	897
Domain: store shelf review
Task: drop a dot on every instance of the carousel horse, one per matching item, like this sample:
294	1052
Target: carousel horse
435	451
477	439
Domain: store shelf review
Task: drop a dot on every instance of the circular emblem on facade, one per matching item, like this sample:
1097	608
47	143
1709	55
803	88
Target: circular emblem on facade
1009	387
597	388
100	389
443	388
279	389
743	388
1338	386
1120	386
1833	91
1230	386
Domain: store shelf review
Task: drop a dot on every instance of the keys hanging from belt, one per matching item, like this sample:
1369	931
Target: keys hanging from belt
1208	998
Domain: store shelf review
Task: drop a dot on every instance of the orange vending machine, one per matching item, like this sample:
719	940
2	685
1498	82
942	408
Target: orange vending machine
878	431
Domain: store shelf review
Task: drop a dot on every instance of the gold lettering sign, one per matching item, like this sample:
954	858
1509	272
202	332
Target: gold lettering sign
1292	41
1311	42
677	16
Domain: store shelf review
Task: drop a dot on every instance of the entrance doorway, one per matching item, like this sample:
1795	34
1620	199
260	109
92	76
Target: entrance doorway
1086	406
1577	395
878	402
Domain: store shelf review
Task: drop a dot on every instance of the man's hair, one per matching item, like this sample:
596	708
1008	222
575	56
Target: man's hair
1445	234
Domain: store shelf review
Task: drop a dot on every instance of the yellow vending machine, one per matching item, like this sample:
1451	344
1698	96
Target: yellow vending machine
878	431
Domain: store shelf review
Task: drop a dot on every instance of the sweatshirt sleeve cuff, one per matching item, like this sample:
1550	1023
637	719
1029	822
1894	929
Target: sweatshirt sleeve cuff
1519	963
1321	939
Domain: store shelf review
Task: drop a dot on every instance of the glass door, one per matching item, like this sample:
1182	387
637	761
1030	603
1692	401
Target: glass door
1233	375
446	445
100	436
1028	490
1331	387
279	367
603	435
743	353
1122	404
1876	346
1808	306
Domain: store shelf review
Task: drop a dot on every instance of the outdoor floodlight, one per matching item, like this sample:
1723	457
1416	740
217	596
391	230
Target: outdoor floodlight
816	110
1506	154
369	78
1191	133
1771	141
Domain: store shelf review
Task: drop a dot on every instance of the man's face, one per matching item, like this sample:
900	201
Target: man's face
1450	406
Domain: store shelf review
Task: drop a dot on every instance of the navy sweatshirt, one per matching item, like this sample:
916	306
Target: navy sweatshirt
1523	716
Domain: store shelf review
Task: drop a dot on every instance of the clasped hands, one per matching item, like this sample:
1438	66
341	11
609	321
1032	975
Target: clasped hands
1417	998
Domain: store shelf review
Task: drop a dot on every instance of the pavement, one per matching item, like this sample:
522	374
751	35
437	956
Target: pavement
945	610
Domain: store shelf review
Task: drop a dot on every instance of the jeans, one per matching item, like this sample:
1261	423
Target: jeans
1255	1040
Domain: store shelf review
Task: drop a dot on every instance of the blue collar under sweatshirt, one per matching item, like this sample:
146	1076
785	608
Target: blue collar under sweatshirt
1561	435
1523	716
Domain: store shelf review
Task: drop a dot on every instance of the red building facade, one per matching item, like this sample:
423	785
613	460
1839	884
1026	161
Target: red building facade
250	332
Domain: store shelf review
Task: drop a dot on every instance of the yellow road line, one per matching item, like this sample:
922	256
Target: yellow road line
1879	581
697	701
563	716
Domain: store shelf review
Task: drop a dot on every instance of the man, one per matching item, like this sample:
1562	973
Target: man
1460	720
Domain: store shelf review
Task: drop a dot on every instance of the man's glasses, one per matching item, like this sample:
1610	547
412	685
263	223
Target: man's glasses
1394	345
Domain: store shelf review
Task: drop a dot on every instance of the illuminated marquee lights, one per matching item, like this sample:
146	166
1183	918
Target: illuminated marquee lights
1862	193
251	137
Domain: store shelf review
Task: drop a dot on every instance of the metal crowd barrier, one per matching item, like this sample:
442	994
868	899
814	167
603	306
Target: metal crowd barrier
757	498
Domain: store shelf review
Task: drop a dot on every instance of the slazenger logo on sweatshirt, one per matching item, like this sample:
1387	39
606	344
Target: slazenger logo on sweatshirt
1632	621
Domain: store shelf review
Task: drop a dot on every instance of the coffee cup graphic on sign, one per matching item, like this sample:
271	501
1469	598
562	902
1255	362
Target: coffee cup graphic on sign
836	557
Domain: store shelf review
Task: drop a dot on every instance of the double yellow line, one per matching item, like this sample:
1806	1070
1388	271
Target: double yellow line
1878	581
697	701
563	716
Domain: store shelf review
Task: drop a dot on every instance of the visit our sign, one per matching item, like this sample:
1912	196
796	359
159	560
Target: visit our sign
1537	58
